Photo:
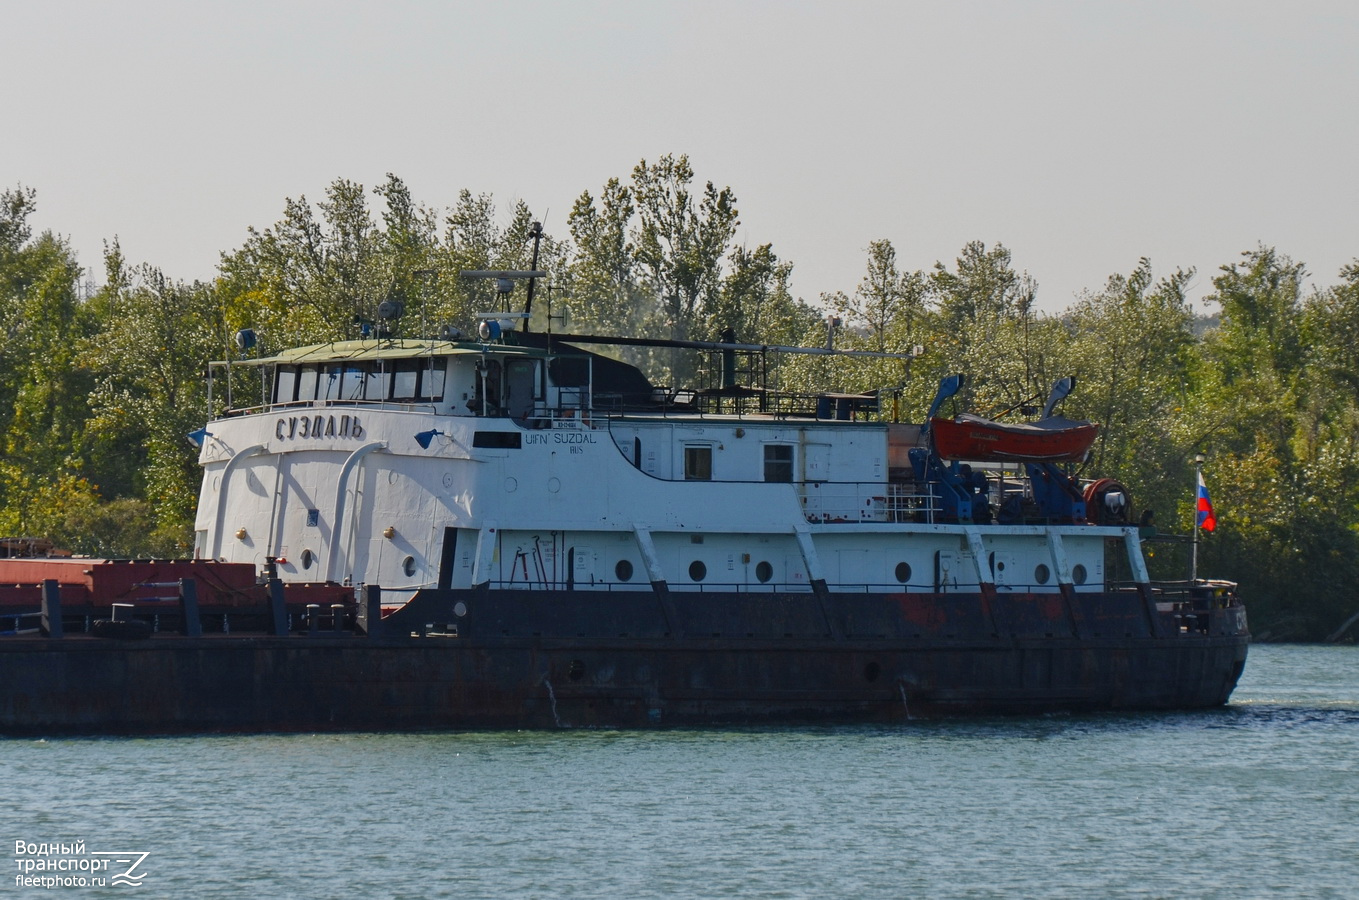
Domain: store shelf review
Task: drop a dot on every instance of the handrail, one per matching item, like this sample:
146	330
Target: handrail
337	527
220	523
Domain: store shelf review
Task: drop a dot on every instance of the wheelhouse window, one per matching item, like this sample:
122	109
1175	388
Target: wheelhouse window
432	377
377	383
419	379
351	382
285	384
330	382
698	462
306	384
403	379
778	462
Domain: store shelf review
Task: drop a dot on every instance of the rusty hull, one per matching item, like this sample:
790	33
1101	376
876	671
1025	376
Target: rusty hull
537	659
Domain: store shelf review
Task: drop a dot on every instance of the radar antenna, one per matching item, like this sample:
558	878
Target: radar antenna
491	324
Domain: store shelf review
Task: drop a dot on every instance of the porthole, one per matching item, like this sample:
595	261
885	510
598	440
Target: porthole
623	571
697	571
903	572
1078	574
764	571
408	566
307	559
1042	573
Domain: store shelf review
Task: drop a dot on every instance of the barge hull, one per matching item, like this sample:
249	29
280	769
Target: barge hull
510	665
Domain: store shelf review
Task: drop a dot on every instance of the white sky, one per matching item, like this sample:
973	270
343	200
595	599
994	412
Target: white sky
1082	135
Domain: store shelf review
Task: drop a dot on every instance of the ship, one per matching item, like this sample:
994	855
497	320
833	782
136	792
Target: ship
517	530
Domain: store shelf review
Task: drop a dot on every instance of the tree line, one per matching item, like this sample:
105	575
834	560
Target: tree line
99	387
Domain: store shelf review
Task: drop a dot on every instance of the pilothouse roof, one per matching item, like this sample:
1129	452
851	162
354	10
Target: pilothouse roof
365	351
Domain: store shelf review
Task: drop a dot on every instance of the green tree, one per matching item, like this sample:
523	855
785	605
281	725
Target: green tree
308	279
1280	447
889	305
475	241
155	336
601	279
983	327
888	312
1131	347
681	241
43	378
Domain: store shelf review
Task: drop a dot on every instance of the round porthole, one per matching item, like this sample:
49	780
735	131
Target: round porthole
1078	574
408	566
307	559
1042	573
697	571
764	571
623	571
903	572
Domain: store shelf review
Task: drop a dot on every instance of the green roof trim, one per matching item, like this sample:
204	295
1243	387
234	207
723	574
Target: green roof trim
362	351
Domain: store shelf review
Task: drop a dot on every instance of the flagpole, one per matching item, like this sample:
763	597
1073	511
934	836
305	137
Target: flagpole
1194	546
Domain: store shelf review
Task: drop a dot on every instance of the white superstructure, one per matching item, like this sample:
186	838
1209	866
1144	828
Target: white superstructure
457	465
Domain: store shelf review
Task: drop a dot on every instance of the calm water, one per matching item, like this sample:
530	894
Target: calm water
1258	799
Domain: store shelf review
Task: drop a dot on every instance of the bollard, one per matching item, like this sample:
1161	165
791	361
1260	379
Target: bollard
51	609
337	616
278	610
190	624
313	617
369	613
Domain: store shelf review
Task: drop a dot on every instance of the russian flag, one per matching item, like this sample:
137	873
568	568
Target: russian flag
1207	519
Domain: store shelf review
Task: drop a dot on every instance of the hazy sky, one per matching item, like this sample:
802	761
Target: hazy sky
1080	135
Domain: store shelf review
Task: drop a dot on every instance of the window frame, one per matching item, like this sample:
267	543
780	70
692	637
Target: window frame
770	463
694	454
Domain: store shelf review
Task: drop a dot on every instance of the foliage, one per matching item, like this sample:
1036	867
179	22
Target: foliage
1131	345
155	337
681	244
43	378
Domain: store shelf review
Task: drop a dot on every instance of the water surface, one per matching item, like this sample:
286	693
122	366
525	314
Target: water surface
1256	799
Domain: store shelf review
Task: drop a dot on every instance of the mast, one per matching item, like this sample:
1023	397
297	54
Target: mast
1194	545
536	231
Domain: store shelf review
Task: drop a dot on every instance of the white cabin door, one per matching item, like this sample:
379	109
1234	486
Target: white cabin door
816	462
854	569
582	563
